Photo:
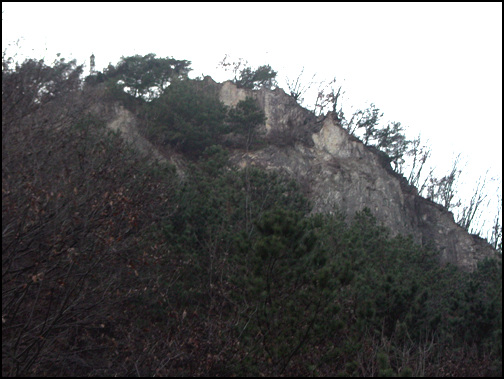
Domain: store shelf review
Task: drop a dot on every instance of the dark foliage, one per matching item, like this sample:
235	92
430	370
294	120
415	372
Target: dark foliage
188	116
262	77
244	120
146	76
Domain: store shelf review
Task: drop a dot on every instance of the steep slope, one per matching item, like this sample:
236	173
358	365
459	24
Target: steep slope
338	170
124	122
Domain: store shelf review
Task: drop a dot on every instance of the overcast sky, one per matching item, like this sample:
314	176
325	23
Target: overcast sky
434	67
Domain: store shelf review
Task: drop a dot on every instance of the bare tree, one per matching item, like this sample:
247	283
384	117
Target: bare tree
234	67
73	203
472	211
443	190
327	97
496	231
297	89
419	153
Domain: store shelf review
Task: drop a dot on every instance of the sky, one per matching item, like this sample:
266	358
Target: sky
434	67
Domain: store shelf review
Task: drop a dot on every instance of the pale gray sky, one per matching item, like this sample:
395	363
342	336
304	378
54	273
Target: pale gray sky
435	67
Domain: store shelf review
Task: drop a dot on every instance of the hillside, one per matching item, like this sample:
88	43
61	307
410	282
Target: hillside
217	230
338	172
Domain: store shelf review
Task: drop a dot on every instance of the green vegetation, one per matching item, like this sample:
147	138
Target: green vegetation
115	265
189	117
246	77
263	76
186	116
181	113
146	76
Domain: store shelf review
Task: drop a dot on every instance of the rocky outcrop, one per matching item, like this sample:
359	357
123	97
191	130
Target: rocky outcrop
338	171
124	122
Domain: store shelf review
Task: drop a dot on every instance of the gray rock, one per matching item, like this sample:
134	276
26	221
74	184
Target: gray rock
336	170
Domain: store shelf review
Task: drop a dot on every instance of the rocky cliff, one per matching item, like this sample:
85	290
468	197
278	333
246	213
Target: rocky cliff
338	170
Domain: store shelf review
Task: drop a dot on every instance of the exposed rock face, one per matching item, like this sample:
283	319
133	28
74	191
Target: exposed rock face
338	170
125	122
122	120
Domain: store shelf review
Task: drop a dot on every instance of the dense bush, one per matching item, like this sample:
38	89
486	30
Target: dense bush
75	204
244	120
186	116
190	117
